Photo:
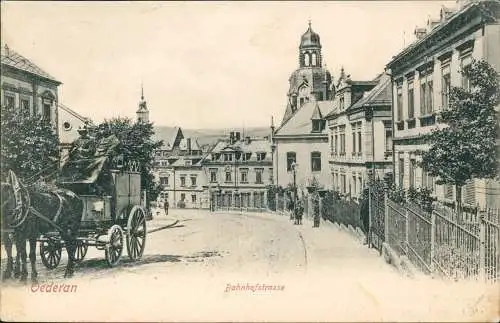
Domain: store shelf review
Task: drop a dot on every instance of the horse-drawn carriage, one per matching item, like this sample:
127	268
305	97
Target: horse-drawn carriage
97	202
113	209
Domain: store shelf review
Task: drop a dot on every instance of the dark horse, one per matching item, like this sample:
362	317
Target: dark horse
32	213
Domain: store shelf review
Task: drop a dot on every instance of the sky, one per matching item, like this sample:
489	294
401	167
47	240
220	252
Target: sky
202	64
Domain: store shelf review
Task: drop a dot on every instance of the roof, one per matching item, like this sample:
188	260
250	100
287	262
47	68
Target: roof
255	145
168	135
310	39
316	113
74	113
300	122
452	16
194	144
380	94
17	61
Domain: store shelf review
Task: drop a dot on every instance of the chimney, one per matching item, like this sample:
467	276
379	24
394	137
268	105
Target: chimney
420	33
6	50
188	143
247	140
231	137
237	136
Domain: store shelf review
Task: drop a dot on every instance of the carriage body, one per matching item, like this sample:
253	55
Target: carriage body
113	214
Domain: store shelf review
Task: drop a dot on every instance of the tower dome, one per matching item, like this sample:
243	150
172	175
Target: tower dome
310	39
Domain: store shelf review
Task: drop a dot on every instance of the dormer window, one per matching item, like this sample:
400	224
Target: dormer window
317	125
341	103
261	156
228	157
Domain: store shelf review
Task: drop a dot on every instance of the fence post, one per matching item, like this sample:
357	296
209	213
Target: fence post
386	219
482	245
433	240
407	230
370	206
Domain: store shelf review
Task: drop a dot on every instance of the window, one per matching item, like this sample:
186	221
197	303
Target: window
343	183
261	156
244	176
360	184
427	180
341	103
183	181
193	198
193	180
342	141
413	166
187	162
183	196
388	140
228	157
335	147
271	178
301	101
426	92
25	106
67	126
258	176
465	60
213	175
10	101
445	85
411	101
46	111
401	170
291	158
353	139
316	126
360	145
164	180
399	103
164	163
316	161
354	192
228	177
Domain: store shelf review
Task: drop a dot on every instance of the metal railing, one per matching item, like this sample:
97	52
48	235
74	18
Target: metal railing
437	243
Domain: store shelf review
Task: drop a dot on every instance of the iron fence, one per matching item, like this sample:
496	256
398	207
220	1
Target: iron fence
439	243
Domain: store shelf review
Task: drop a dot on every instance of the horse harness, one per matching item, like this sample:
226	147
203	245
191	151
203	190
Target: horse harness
32	210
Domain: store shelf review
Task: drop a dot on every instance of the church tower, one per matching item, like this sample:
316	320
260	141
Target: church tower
311	81
143	112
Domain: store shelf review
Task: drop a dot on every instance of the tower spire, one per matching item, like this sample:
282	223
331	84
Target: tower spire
142	91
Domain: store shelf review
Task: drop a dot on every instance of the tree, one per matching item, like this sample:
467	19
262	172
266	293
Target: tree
465	148
136	143
29	145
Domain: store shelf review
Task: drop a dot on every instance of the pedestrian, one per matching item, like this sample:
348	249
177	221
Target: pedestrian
165	206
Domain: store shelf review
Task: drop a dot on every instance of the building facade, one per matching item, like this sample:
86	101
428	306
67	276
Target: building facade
178	168
300	143
238	171
360	133
69	121
421	78
26	86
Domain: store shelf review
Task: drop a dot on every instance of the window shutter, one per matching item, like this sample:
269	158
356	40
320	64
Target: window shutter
469	195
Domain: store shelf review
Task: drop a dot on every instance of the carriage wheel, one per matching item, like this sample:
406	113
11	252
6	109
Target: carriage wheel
81	250
114	247
50	252
136	233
